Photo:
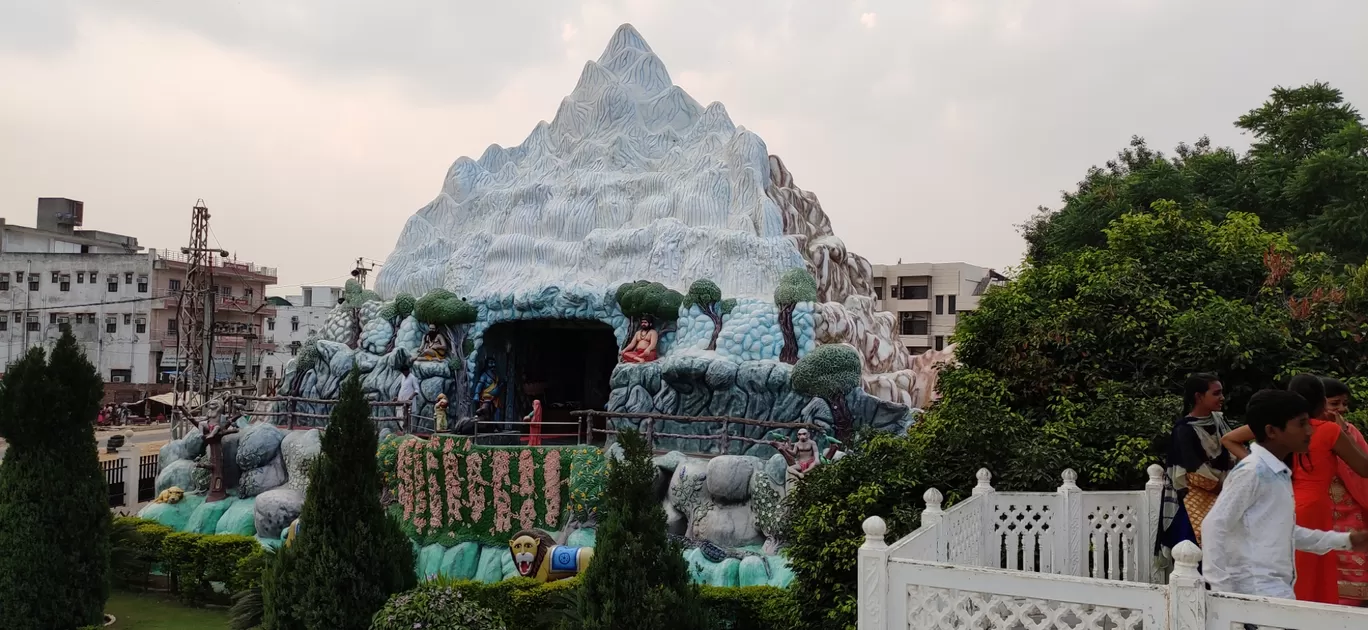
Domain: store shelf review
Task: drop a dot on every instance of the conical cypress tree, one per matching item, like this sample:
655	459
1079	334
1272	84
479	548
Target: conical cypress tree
638	578
350	555
54	503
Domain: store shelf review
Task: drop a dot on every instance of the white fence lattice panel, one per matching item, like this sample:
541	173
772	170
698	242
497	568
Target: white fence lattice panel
930	608
1115	532
1022	530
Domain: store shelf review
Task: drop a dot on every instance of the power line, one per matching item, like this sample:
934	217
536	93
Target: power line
71	306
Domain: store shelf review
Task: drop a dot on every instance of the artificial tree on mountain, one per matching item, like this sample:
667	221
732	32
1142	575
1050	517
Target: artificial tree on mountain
353	298
54	503
708	297
350	555
639	577
830	372
796	285
395	312
642	299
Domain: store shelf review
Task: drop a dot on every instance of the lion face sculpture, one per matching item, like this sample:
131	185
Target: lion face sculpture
529	551
537	556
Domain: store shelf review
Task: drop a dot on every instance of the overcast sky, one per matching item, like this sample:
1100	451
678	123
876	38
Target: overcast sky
928	128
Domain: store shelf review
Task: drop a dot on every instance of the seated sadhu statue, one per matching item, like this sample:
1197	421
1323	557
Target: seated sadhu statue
642	347
434	346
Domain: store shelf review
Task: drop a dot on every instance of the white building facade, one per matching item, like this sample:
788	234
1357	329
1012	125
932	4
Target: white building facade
927	298
297	317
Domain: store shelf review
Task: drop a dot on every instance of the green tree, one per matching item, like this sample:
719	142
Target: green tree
708	297
641	299
54	504
638	577
830	372
350	555
796	285
1306	173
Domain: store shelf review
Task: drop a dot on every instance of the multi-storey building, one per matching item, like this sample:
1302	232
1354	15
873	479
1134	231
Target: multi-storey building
240	309
297	317
928	297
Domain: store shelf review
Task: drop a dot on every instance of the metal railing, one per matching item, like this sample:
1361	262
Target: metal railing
147	477
723	437
114	470
292	413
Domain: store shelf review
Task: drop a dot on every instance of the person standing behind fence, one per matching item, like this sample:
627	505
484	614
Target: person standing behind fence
408	391
1197	463
1349	494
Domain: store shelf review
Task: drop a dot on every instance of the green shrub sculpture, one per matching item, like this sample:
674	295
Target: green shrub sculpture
350	555
830	372
641	299
796	285
54	503
708	297
435	606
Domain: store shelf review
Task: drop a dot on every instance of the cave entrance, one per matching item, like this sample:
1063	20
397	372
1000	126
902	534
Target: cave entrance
564	363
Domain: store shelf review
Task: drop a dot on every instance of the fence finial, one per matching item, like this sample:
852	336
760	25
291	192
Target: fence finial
1186	557
985	482
1070	479
933	500
875	528
1156	473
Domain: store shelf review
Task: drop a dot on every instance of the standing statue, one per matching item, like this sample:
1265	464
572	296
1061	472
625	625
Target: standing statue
533	421
439	413
642	347
213	433
434	346
488	393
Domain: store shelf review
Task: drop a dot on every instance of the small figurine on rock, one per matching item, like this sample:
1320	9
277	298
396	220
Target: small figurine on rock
439	412
642	347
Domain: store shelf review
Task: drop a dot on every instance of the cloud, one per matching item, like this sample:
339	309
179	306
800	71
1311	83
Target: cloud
869	19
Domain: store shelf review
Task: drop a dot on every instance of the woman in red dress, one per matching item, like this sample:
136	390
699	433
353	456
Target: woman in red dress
1312	473
1349	493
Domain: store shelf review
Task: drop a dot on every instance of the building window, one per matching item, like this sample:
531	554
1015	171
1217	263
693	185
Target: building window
174	285
121	376
142	285
93	275
33	323
142	327
226	291
940	304
111	325
878	291
128	318
55	276
4	325
4	281
914	323
951	300
19	277
912	289
18	318
940	342
294	323
170	326
247	293
270	323
80	277
33	282
52	318
294	348
113	283
80	318
128	277
64	284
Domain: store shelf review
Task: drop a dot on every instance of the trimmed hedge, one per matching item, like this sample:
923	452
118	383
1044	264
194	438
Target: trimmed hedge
191	561
525	603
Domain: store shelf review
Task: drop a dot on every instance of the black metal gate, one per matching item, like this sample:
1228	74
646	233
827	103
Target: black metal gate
147	478
114	470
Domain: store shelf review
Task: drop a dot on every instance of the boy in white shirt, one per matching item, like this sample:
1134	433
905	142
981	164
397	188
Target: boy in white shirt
1251	531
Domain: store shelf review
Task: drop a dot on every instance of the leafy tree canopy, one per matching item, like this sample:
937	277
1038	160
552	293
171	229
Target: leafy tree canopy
642	298
444	308
796	285
829	371
1306	173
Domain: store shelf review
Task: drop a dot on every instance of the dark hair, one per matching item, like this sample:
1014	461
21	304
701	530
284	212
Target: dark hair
1311	389
1273	408
1334	387
403	368
1196	383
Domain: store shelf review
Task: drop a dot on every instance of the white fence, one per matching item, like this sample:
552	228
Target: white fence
1063	560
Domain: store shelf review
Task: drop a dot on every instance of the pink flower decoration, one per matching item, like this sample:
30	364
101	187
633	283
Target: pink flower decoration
503	516
475	483
551	469
526	472
451	465
406	480
527	515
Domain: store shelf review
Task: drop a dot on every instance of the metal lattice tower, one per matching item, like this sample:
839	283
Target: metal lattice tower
192	339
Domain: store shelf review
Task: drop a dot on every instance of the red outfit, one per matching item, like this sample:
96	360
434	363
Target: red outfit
1349	494
1312	473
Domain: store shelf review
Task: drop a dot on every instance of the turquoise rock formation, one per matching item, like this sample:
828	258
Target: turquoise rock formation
173	515
238	518
205	518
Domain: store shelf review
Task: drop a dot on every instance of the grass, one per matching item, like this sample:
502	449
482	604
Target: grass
161	611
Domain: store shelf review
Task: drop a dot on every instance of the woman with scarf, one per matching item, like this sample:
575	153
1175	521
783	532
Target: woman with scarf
1197	463
1349	493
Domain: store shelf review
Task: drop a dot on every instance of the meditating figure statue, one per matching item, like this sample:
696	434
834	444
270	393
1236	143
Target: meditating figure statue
801	456
434	345
642	347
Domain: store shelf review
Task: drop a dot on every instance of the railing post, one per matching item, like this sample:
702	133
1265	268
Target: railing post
650	433
990	552
290	413
872	592
1154	499
1186	589
932	516
725	439
1070	541
128	458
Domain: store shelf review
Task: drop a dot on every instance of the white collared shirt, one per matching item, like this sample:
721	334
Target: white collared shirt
1250	534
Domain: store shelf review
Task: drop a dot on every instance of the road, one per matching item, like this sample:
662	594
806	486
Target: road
149	438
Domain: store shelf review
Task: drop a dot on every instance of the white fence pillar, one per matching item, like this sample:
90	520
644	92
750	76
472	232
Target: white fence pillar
128	458
931	517
1154	499
872	595
1071	545
990	542
1187	590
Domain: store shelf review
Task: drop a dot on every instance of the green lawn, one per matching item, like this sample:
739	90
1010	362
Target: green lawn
160	611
